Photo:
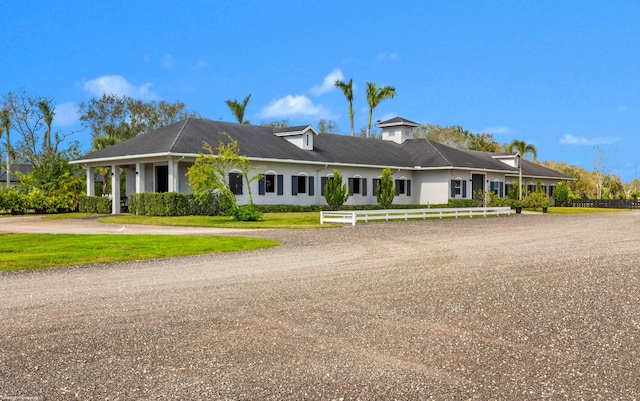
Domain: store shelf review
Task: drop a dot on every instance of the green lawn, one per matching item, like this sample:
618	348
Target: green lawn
268	220
39	251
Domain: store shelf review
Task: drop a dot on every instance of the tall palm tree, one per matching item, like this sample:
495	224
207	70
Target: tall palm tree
375	96
238	108
522	148
47	113
5	124
347	89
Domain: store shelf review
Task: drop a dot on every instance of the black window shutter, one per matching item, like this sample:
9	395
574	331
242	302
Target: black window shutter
364	187
501	190
294	185
408	187
311	186
453	188
323	183
280	184
397	187
464	189
350	186
239	183
233	183
261	185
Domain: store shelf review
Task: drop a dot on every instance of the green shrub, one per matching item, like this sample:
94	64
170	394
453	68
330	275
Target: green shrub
561	195
246	213
94	204
174	204
456	203
534	200
335	192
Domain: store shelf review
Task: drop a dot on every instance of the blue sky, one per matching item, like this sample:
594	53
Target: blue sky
561	75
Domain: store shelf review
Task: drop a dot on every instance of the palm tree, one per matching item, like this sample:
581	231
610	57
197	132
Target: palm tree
5	124
375	96
347	89
238	108
522	148
47	114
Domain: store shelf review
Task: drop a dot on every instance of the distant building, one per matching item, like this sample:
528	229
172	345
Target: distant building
13	177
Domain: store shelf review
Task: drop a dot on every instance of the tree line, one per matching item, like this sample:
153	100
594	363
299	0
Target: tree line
28	137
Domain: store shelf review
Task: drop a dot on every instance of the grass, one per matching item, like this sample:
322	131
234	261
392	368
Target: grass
268	220
40	251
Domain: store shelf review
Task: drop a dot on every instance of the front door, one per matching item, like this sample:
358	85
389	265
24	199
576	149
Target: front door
477	186
162	178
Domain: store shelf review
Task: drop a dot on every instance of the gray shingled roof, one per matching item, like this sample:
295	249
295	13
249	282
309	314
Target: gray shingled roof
20	168
188	136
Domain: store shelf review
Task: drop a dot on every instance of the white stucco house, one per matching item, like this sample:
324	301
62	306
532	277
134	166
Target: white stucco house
296	161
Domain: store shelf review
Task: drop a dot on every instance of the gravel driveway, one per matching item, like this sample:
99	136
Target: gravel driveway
529	307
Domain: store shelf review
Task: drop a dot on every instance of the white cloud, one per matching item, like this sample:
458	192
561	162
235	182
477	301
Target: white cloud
569	139
328	84
497	130
118	85
293	105
66	114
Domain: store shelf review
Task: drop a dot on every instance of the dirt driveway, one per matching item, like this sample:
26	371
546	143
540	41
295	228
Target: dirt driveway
527	307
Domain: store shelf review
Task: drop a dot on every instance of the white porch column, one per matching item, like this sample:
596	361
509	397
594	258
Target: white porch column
173	175
91	182
140	178
115	189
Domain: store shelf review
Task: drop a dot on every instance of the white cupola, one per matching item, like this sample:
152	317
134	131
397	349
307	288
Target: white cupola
397	129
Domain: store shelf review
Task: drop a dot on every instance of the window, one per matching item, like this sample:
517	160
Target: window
235	182
497	188
400	187
354	186
301	184
458	188
531	188
268	184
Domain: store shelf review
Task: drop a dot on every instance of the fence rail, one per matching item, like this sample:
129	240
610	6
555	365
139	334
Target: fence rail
353	216
608	203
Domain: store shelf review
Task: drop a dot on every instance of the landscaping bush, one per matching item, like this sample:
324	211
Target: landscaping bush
94	204
174	204
534	200
455	203
246	213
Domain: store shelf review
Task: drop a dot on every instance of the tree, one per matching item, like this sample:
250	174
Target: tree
598	162
47	113
347	90
5	125
385	189
113	119
31	117
523	149
335	192
561	194
375	96
327	127
457	137
238	109
209	172
275	124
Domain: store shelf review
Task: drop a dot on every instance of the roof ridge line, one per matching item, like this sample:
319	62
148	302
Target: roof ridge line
178	134
440	153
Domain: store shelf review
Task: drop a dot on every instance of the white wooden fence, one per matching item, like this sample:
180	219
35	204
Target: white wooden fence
353	216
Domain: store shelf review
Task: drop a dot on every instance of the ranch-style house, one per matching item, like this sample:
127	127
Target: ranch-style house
295	163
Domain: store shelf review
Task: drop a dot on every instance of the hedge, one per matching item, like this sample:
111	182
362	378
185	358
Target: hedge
174	204
94	204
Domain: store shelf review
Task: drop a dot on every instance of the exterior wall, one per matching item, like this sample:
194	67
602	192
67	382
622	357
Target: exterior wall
317	172
183	181
433	187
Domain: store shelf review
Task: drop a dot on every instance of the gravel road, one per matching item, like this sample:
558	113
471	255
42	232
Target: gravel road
512	308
